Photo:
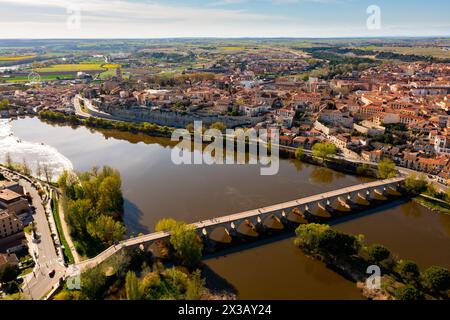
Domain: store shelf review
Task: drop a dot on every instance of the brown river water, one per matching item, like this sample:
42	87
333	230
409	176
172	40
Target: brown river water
155	188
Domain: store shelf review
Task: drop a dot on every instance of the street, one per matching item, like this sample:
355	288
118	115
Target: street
38	283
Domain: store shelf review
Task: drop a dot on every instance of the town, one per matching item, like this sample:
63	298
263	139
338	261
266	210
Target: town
363	108
397	111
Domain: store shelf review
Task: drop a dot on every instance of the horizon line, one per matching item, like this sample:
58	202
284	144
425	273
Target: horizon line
237	38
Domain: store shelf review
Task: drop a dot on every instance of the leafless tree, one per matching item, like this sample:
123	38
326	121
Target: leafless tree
8	160
48	172
38	169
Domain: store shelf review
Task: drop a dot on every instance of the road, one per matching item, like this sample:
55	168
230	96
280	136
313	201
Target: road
78	109
38	284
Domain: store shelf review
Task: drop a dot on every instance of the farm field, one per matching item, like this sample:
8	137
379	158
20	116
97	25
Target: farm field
420	51
77	67
16	58
43	78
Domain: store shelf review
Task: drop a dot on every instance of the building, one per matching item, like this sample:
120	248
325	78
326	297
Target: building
8	258
9	224
372	156
369	128
13	202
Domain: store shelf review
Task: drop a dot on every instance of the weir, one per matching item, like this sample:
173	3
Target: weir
250	223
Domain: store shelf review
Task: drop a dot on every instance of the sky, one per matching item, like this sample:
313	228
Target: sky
47	19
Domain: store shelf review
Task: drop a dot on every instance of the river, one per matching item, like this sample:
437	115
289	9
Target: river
155	188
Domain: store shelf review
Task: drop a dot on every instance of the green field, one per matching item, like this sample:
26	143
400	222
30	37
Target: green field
43	78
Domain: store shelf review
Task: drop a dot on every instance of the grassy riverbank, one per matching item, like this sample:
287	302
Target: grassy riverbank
68	257
433	204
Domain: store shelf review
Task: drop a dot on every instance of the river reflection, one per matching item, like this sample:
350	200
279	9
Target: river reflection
156	188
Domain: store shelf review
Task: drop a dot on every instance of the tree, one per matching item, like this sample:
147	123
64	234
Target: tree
165	225
299	153
8	160
132	287
48	172
8	273
416	184
190	127
79	213
377	253
195	286
110	200
186	242
219	126
25	168
436	279
386	169
408	270
325	241
106	229
38	170
364	170
408	293
324	150
93	283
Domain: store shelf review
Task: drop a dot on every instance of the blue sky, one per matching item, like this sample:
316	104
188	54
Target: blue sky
220	18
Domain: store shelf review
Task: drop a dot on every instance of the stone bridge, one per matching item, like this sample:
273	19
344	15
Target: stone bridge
249	223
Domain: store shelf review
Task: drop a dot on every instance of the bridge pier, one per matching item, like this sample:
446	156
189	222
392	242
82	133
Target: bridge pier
298	216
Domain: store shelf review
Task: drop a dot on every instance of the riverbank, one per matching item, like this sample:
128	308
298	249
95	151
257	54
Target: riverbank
376	271
433	204
92	122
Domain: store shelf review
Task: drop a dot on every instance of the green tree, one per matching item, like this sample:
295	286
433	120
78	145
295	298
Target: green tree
106	229
416	184
133	287
408	293
110	200
326	241
408	270
436	279
187	243
195	286
8	273
299	153
324	150
219	126
79	213
93	283
364	170
386	169
165	225
377	253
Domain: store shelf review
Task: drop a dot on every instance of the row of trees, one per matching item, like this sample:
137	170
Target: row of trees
94	206
133	127
137	275
332	245
42	170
